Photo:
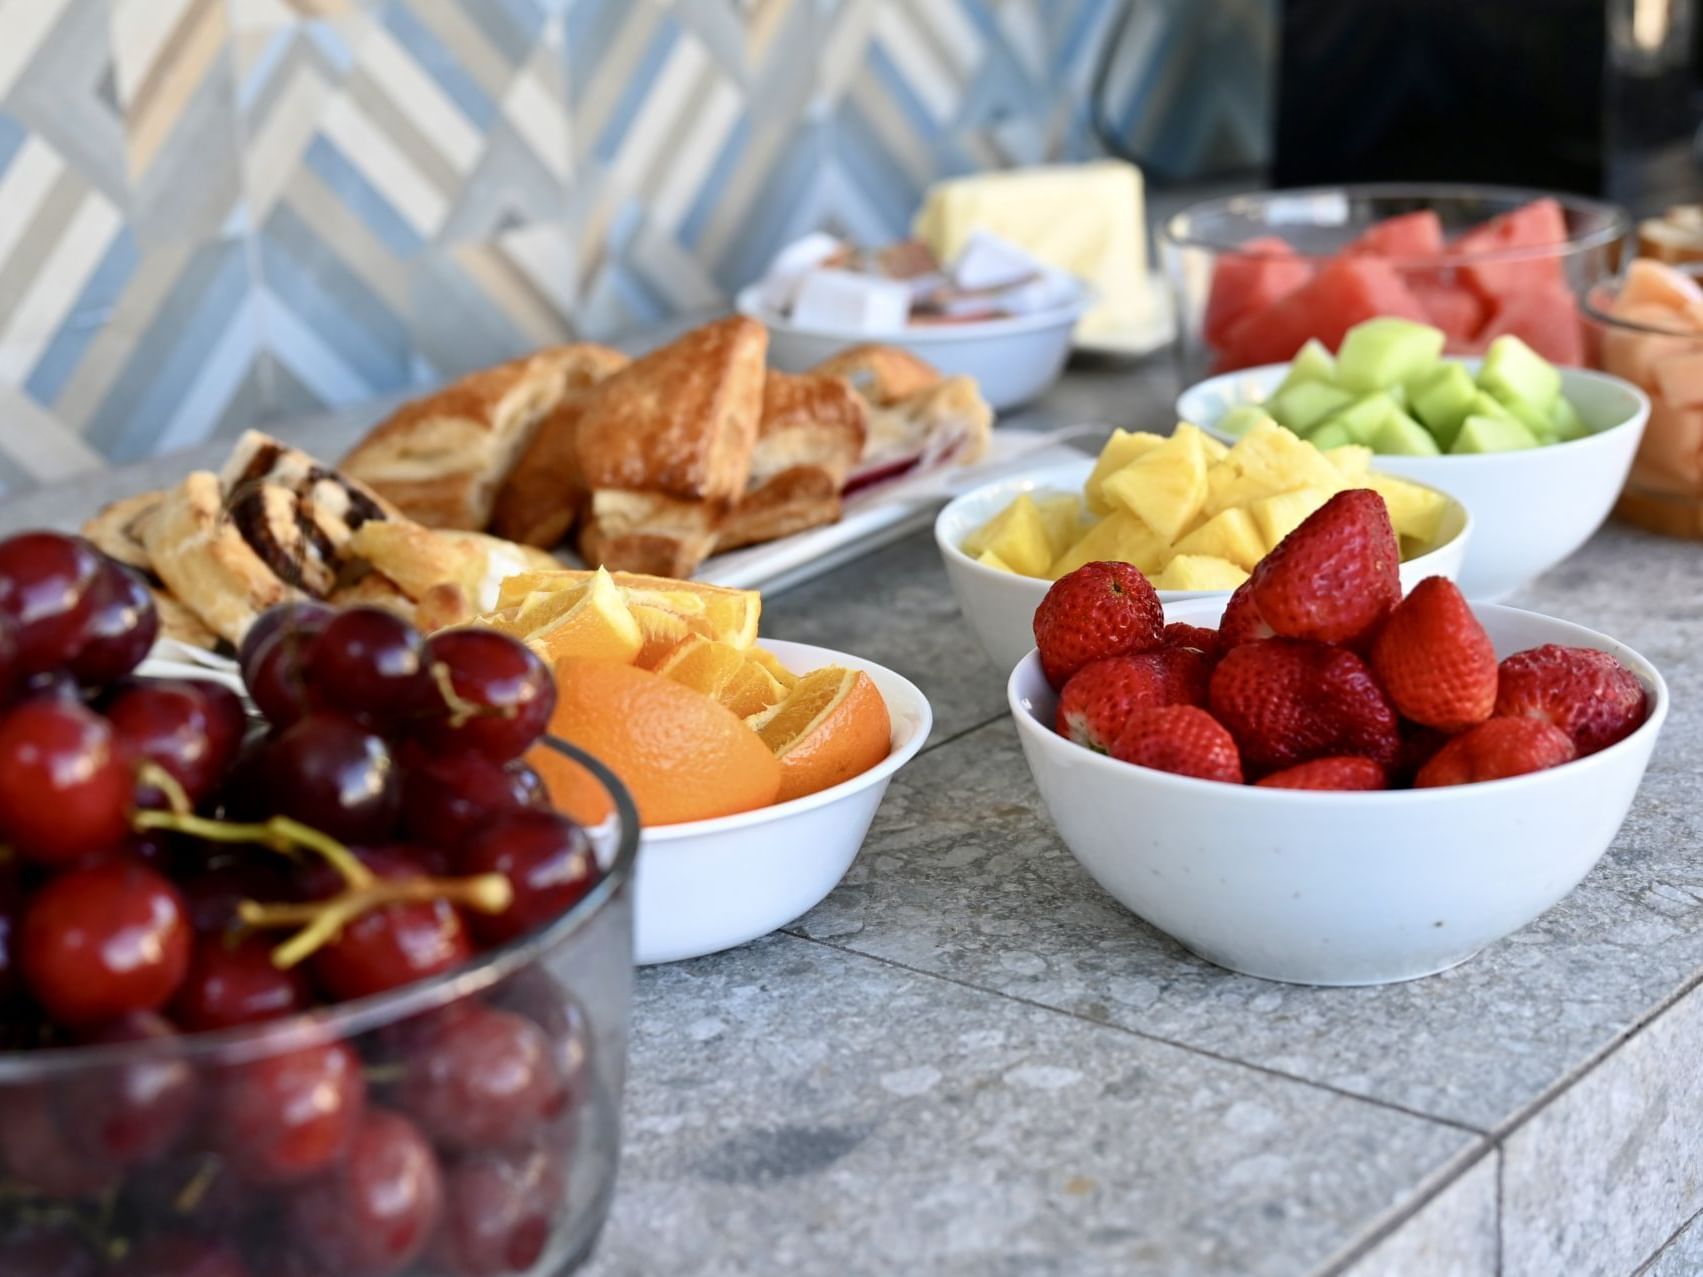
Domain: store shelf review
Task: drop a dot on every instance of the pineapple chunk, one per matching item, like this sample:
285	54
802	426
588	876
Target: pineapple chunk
1199	572
1416	512
1121	449
1352	460
1165	487
1280	514
1018	535
1231	535
1061	515
1120	537
987	558
1265	461
1215	451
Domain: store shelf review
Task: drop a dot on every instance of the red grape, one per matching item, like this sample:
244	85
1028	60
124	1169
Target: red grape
180	1255
42	1251
547	859
508	689
499	1211
45	580
445	796
394	944
102	942
35	1152
214	893
11	915
11	670
192	728
373	1215
65	781
283	1118
122	626
131	1112
276	674
537	995
369	663
333	774
480	1079
236	982
303	614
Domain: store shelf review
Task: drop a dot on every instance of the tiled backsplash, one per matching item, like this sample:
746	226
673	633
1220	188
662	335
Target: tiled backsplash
217	213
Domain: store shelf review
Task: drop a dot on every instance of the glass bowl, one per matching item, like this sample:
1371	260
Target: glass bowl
1664	491
1317	223
345	1142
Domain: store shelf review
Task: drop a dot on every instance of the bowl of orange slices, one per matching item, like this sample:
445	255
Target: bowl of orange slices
756	767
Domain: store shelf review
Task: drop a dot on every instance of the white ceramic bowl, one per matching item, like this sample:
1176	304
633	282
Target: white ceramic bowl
1338	888
1530	509
1000	606
1012	360
709	885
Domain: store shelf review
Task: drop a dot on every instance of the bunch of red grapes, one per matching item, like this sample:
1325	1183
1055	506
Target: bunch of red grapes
170	870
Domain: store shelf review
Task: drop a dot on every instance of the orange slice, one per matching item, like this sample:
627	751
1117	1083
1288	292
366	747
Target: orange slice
832	726
680	754
723	672
769	661
718	612
591	621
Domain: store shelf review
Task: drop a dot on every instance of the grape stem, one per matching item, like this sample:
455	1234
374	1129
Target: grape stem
151	773
461	710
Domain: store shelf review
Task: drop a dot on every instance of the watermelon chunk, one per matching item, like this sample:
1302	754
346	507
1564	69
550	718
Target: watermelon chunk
1408	236
1536	225
1342	294
1458	311
1251	279
1546	319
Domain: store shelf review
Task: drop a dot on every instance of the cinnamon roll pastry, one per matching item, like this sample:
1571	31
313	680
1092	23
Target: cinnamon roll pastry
116	530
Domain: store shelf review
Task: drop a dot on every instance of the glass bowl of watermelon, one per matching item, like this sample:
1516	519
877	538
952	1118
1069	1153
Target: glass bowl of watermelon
1256	276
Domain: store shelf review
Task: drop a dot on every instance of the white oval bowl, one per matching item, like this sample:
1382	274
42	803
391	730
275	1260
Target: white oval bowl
1531	509
1338	888
1012	360
708	885
1000	606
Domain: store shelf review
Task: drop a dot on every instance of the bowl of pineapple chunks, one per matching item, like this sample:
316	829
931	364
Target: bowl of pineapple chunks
1192	513
1537	452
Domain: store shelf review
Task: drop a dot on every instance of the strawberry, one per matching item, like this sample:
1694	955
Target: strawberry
1418	746
1495	749
1435	660
1331	580
1194	637
1341	771
1099	610
1287	701
1179	738
1586	693
1100	697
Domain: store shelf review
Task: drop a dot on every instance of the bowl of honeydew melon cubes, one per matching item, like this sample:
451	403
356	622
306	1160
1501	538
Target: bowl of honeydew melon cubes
1537	453
1193	514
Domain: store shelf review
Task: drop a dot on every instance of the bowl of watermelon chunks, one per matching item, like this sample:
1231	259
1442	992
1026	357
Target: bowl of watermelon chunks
1257	276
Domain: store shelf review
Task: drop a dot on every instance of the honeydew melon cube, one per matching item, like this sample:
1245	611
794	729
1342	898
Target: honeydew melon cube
1306	404
1331	437
1565	421
1415	511
1401	435
1242	418
1199	572
1165	487
1386	351
1120	537
1229	534
1486	405
1515	373
1312	363
1363	417
1442	400
1493	434
1122	448
1278	515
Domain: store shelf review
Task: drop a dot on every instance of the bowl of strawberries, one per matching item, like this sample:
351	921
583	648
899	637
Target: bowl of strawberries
1321	781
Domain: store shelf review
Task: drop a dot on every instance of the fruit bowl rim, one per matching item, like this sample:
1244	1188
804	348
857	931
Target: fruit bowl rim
346	1021
1028	671
1616	223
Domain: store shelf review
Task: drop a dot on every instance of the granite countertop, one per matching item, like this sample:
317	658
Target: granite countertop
970	1060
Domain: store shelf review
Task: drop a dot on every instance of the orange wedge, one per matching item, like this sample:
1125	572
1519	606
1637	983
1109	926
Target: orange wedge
724	673
832	726
769	661
715	611
680	754
591	621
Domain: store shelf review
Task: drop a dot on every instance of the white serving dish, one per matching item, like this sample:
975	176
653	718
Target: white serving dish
1012	360
1000	606
709	885
1530	509
1338	888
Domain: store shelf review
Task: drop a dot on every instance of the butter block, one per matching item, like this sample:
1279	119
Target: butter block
845	302
1085	219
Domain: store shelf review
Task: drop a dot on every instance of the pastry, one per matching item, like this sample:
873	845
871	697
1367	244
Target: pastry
664	448
810	437
541	499
441	459
948	423
116	530
883	375
415	558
